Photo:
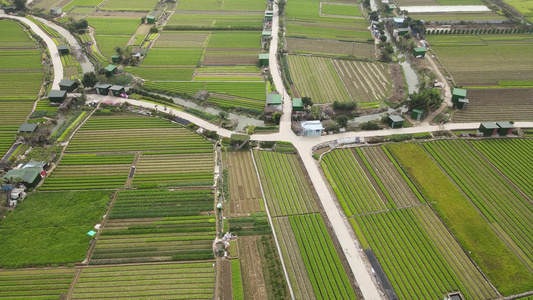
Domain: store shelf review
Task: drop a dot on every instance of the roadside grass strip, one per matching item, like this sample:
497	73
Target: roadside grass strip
514	158
126	133
157	225
317	78
496	199
80	172
286	187
484	245
156	281
35	283
353	189
175	169
412	262
329	279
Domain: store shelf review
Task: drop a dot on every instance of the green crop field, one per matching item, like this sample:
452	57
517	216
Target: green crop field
172	39
50	228
309	46
329	279
339	9
524	7
499	263
493	195
112	26
235	39
162	73
35	283
245	5
317	78
200	5
286	188
157	225
112	134
108	43
175	169
75	3
79	172
175	57
216	19
170	280
129	5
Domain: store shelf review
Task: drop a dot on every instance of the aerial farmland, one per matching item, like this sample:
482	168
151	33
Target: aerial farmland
292	149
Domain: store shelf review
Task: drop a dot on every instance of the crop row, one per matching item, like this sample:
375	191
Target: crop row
121	122
234	103
41	283
413	264
352	187
287	190
493	195
513	157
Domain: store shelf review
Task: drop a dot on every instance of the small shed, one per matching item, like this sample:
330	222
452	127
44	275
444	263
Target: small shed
57	96
28	128
395	121
263	59
312	128
266	34
111	70
297	104
417	114
269	14
30	176
150	20
506	128
420	51
9	9
403	31
462	103
116	59
457	94
63	50
68	85
102	88
398	21
489	128
273	99
56	11
391	7
117	90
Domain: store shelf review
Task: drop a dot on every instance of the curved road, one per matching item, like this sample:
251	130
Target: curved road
52	48
304	145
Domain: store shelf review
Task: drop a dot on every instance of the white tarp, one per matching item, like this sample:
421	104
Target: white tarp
445	8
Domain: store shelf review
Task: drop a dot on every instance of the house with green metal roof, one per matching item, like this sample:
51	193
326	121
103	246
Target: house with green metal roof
263	59
30	176
273	99
457	94
111	70
395	121
28	128
102	88
68	85
420	52
297	104
57	96
488	128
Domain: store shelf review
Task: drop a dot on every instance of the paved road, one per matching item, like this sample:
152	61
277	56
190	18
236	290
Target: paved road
52	48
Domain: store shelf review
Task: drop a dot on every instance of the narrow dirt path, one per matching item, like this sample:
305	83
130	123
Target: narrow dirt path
132	170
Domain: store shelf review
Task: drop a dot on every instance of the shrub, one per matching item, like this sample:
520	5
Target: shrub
370	126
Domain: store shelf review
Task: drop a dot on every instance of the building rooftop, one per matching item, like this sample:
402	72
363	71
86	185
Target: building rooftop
312	125
459	92
102	86
505	124
62	47
420	49
297	102
66	82
110	68
273	99
490	125
28	127
418	110
116	88
27	174
263	56
396	118
57	93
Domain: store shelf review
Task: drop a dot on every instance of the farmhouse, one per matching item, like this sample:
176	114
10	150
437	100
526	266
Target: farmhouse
506	128
116	59
111	70
63	50
30	176
395	121
263	59
417	114
68	85
57	96
27	128
117	90
420	52
297	105
150	20
102	88
273	99
458	94
312	128
489	128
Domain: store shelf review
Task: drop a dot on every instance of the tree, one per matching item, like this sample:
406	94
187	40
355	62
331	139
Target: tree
20	4
342	120
276	117
89	79
374	16
307	102
223	115
426	99
154	29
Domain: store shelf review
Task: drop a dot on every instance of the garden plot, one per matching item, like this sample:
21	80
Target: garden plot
340	9
127	133
130	5
226	57
36	283
79	172
173	39
162	73
244	191
50	228
366	82
216	19
75	3
497	105
235	39
316	77
315	46
513	158
200	5
172	57
244	5
170	280
180	169
287	190
157	225
108	43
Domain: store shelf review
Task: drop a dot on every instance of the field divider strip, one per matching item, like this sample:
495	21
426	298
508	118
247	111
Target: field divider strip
272	227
